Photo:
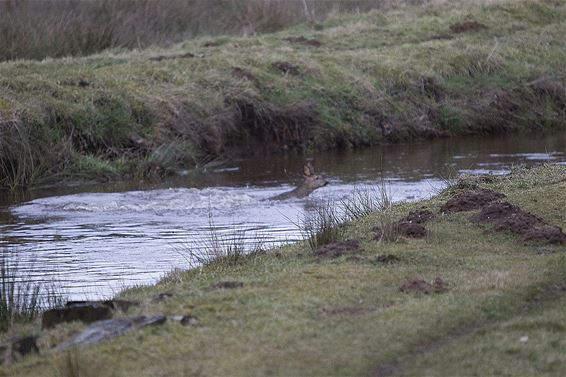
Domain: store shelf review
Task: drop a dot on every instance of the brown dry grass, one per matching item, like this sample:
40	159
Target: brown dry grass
52	28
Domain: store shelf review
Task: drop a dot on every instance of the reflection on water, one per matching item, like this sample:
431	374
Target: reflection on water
96	240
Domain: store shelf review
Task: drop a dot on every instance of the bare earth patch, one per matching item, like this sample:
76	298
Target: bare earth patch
242	73
410	226
509	218
416	285
388	259
470	200
337	249
466	26
286	68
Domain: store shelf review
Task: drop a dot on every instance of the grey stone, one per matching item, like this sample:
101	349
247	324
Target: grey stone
149	321
108	329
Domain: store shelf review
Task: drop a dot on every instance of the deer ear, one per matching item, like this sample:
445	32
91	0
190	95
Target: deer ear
308	170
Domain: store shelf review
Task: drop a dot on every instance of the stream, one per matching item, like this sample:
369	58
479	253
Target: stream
94	240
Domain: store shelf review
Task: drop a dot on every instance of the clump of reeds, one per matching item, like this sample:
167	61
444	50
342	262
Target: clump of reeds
21	298
387	227
324	222
366	200
17	160
321	225
222	249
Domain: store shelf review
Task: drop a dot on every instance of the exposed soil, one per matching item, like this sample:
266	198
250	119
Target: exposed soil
388	259
509	218
409	226
411	230
349	311
466	26
286	68
227	285
304	41
470	200
337	249
245	74
83	83
419	217
416	285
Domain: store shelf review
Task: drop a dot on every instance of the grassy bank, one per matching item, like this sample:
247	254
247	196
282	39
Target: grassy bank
57	28
498	311
404	73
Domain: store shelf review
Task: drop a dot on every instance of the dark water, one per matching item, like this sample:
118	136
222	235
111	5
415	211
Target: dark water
95	240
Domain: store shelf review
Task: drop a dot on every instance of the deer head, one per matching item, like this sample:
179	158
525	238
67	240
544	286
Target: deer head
310	182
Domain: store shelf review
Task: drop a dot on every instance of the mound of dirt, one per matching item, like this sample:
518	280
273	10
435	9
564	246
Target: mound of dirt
470	200
419	217
409	226
387	259
416	285
337	249
286	68
245	74
509	218
304	41
466	26
413	230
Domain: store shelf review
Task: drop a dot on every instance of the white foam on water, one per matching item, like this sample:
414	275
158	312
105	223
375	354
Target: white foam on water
176	200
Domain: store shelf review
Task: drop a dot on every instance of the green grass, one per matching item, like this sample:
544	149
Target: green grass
298	315
392	75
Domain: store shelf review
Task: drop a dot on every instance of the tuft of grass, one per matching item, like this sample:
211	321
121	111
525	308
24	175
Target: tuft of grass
21	299
72	363
322	224
221	249
366	200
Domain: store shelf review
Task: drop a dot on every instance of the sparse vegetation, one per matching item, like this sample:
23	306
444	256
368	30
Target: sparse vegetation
322	224
366	200
21	299
220	249
393	75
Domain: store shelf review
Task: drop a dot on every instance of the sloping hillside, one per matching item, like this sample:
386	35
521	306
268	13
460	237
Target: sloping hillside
405	73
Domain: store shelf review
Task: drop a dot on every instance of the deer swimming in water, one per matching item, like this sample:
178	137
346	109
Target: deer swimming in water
310	182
